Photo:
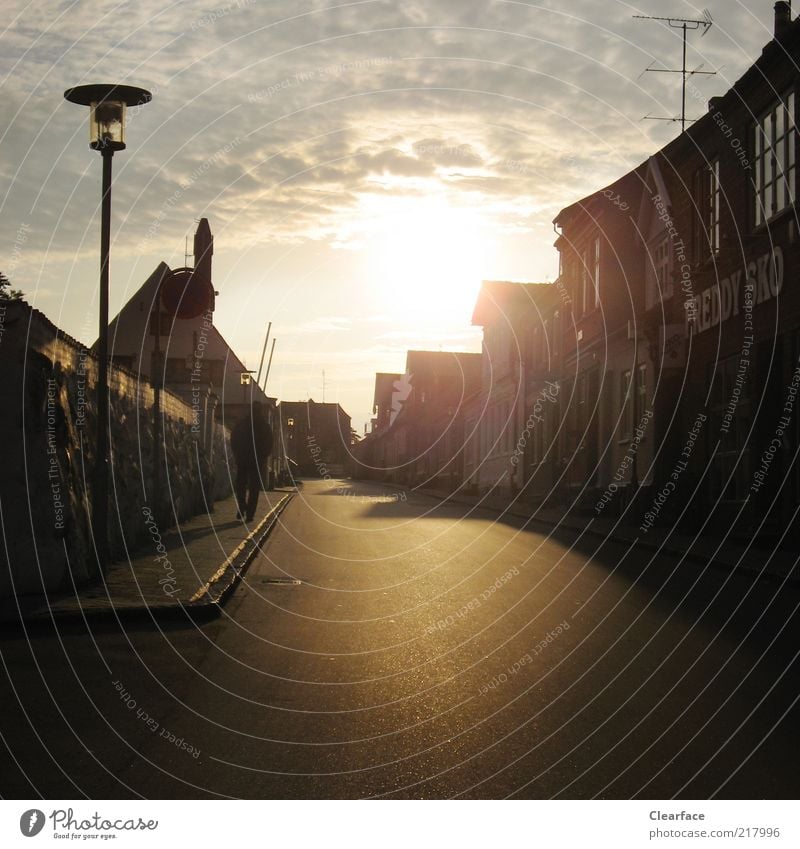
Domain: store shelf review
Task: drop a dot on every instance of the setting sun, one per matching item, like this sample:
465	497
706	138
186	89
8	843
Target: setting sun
429	255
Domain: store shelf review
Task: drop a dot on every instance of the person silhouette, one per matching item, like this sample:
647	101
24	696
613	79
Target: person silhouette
251	445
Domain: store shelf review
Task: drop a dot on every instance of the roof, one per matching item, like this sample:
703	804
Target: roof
441	362
317	406
500	295
384	386
775	52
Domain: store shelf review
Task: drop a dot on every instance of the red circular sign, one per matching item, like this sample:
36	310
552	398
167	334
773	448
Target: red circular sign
185	295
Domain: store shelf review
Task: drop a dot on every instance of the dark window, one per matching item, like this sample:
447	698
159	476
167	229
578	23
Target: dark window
177	371
626	405
731	419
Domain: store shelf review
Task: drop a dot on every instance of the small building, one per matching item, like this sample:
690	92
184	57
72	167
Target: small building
193	358
507	420
732	258
316	439
425	443
606	439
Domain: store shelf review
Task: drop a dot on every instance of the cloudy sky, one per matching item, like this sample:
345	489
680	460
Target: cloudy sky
363	164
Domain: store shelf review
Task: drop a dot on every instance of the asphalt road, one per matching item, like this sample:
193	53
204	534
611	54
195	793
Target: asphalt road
382	647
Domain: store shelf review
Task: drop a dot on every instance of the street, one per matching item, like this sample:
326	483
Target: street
387	645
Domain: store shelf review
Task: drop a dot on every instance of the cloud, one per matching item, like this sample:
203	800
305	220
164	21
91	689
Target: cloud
281	123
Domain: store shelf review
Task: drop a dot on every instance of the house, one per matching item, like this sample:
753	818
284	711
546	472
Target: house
606	366
730	306
191	356
316	438
425	441
508	426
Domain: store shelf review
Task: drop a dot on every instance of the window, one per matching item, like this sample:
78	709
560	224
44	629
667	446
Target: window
626	405
584	283
555	348
641	393
582	405
176	370
712	206
596	275
545	357
210	371
659	271
774	160
731	418
706	222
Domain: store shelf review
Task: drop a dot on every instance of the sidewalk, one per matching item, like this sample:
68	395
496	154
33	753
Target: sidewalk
778	565
183	572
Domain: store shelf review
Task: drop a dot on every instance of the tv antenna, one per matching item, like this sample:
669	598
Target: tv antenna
687	25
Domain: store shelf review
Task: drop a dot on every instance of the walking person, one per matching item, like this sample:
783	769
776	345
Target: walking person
251	445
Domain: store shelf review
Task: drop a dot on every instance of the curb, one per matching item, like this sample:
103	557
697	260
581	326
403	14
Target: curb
210	599
204	606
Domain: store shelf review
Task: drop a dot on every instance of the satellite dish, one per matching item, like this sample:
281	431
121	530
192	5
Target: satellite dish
186	295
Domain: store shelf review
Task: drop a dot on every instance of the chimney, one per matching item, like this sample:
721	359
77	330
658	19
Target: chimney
714	103
783	17
203	250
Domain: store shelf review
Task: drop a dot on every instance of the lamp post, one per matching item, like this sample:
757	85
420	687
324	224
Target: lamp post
107	104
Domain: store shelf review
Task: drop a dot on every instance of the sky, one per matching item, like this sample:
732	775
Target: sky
363	165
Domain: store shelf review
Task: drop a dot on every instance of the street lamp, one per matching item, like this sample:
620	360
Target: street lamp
107	104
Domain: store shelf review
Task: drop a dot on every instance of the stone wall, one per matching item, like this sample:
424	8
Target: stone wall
47	433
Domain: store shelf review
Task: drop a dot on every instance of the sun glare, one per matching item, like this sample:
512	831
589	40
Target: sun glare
429	256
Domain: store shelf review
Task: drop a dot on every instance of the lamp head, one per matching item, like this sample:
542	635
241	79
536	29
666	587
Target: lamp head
107	104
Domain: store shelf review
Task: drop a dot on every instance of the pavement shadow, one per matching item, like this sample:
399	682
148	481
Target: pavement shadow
750	609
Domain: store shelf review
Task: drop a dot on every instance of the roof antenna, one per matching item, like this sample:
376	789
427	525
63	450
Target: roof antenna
685	24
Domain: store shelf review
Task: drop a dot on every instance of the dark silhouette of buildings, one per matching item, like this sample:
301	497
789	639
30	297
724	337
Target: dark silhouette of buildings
315	438
657	377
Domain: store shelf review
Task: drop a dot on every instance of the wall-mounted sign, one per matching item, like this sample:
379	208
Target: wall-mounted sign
738	293
186	295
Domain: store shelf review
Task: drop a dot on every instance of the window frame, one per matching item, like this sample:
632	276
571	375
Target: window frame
775	158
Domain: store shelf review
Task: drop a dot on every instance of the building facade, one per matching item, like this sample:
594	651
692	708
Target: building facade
657	378
315	439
